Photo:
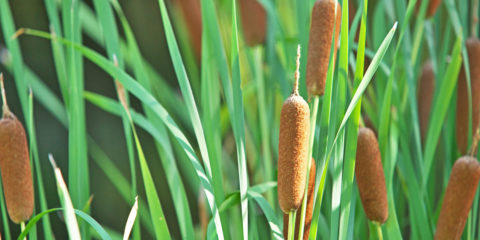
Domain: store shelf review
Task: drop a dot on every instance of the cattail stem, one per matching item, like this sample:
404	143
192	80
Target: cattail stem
291	224
4	96
379	230
297	72
475	140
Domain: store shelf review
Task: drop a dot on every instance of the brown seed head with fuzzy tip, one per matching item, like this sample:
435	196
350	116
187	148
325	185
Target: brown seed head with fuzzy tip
458	198
293	148
15	166
309	212
473	49
320	42
370	177
426	88
254	21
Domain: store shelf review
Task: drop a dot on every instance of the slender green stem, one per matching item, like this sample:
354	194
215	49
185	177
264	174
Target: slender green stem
265	134
313	123
291	224
474	23
379	230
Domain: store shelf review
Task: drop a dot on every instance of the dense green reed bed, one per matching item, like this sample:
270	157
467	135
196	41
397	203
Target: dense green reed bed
201	147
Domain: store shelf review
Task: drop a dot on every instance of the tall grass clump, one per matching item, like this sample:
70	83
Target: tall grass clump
185	110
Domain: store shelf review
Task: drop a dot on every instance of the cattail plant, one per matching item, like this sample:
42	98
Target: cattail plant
192	15
15	165
458	199
309	212
462	120
370	177
293	149
426	88
326	15
254	21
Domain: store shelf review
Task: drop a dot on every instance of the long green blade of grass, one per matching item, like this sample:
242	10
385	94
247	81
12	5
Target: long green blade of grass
47	228
78	161
238	124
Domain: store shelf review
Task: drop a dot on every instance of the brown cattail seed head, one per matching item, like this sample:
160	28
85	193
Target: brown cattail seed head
431	8
426	88
254	21
473	49
458	198
192	15
292	152
309	211
15	167
320	42
370	177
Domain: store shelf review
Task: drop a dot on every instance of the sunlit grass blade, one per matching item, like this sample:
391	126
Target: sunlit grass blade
131	220
68	211
156	212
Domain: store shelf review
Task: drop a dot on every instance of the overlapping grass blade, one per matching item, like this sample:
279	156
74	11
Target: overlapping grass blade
112	43
352	130
164	146
190	102
440	108
146	97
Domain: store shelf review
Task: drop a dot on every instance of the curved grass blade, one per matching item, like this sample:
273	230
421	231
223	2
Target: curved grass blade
95	225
